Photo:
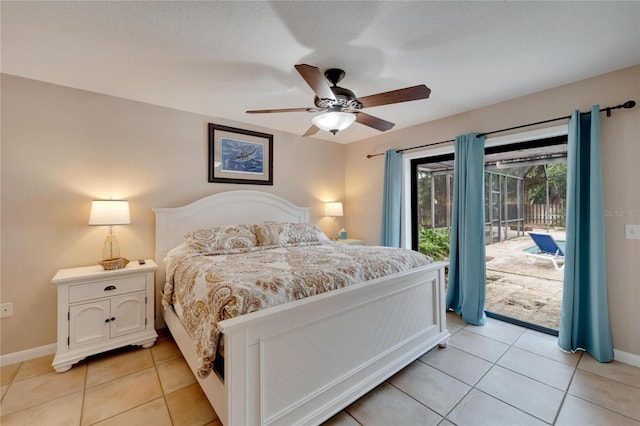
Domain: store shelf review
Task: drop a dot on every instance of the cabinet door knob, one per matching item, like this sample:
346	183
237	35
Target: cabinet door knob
113	318
110	287
107	320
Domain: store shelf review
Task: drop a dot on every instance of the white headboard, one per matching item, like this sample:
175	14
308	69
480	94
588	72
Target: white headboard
225	208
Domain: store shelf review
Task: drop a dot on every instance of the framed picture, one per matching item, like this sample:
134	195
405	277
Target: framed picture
240	156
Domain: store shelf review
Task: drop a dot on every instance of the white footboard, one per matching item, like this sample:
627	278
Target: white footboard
303	362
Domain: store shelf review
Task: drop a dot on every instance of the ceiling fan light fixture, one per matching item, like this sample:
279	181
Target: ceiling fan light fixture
333	121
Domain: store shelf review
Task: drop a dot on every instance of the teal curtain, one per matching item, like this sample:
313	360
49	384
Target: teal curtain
584	319
467	273
392	199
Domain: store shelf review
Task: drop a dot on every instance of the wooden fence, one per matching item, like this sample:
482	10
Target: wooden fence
537	214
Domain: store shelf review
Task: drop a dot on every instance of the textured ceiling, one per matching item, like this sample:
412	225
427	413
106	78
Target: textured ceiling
223	58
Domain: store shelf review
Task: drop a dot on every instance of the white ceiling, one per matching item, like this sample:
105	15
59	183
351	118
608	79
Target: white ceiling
223	58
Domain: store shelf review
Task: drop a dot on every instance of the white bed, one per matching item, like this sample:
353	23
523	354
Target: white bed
272	374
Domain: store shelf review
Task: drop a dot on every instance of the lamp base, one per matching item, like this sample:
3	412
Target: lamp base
115	263
111	248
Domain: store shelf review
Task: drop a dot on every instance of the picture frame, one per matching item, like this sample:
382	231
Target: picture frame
240	156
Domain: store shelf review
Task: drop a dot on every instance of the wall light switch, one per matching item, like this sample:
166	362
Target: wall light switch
632	232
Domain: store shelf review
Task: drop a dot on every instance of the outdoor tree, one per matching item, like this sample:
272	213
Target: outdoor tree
535	184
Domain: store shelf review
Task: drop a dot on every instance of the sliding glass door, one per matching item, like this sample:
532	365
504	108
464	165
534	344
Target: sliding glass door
432	186
525	186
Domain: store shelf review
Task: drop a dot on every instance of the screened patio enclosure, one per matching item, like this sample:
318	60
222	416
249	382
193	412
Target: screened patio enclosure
504	202
524	188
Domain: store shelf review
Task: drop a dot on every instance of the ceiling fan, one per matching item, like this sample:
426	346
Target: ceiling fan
340	107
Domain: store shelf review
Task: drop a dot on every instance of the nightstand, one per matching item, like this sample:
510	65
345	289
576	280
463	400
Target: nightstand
351	242
100	310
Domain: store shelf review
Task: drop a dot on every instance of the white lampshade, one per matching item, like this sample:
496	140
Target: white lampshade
333	209
109	212
333	121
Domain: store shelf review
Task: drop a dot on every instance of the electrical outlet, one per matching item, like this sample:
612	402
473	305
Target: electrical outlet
632	232
6	310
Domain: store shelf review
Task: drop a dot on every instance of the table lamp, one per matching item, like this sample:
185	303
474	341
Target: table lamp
110	213
333	210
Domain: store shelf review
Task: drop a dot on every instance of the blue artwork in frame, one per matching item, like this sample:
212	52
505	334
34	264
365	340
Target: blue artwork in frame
240	156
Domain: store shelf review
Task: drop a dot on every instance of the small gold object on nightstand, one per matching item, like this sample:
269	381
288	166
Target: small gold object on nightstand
117	263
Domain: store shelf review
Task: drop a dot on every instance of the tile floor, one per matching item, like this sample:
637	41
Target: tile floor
499	374
132	386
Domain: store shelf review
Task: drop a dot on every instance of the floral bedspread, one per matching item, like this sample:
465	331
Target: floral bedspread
207	289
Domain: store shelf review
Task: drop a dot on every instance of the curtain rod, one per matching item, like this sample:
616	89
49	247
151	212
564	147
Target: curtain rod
626	105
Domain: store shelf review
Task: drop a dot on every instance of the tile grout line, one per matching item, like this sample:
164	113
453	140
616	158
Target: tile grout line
411	396
14	381
495	363
84	392
471	387
405	393
566	392
541	356
154	366
10	383
85	388
512	345
346	411
596	403
164	395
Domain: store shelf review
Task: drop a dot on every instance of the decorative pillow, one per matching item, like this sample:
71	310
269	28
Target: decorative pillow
303	233
269	234
222	239
286	233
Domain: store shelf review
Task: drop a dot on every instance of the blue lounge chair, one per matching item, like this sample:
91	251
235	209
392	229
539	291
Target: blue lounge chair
547	249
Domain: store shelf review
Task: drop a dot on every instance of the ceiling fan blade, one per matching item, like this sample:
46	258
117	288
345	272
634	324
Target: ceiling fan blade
393	97
316	81
375	122
312	131
264	111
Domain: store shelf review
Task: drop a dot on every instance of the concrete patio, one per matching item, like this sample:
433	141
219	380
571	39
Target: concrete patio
517	288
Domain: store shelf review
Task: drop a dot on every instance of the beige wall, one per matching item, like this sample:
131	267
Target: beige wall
620	162
63	147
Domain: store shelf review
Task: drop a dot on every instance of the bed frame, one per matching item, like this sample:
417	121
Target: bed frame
303	362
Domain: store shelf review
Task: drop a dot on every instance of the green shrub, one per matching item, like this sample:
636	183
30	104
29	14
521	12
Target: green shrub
434	243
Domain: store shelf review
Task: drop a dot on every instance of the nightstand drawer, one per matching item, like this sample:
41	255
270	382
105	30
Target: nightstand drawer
106	288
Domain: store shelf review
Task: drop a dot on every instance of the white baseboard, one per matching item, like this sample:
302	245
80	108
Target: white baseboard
627	358
17	357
